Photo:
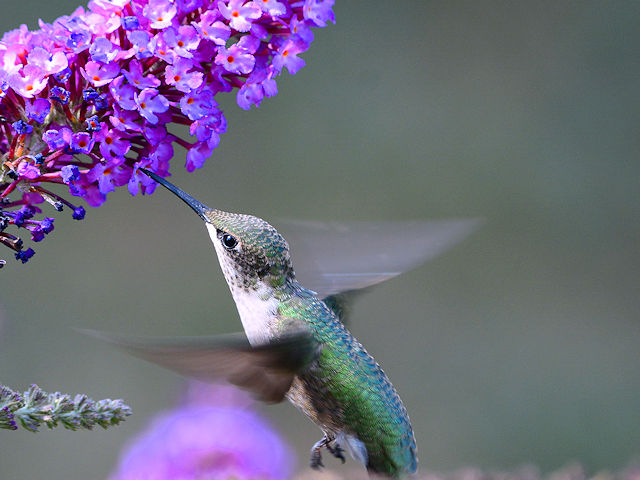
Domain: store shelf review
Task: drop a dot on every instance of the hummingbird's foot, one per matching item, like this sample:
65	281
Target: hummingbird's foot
316	456
334	449
337	451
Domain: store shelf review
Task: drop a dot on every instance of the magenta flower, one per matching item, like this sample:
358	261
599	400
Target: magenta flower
149	103
180	75
100	74
272	7
287	56
213	439
135	76
160	13
235	60
87	99
48	62
183	41
38	109
28	82
28	169
81	142
240	14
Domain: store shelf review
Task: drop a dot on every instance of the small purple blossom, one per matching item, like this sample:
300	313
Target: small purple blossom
25	213
57	138
100	74
60	95
250	94
139	181
63	76
160	13
93	123
110	175
182	41
197	155
101	102
319	12
240	14
272	7
70	173
47	224
37	109
235	60
40	228
28	82
25	255
125	120
213	437
123	94
78	41
301	29
78	213
188	6
48	62
27	168
136	77
113	143
81	142
212	29
90	98
149	103
90	94
287	56
141	44
130	22
21	127
103	51
199	103
181	75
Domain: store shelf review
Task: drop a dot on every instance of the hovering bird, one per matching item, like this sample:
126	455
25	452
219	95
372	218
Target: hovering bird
295	344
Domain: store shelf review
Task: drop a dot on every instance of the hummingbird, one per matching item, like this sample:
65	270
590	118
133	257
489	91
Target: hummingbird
295	344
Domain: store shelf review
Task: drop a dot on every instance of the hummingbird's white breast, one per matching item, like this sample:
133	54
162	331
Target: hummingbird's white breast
258	315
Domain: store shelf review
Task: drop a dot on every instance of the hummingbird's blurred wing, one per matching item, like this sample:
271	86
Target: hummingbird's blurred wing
266	371
330	258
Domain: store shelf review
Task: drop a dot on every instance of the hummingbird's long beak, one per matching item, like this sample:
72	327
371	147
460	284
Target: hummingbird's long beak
200	208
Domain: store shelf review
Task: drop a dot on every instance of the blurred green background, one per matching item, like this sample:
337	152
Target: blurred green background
520	345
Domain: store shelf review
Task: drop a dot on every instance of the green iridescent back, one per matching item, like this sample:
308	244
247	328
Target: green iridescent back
371	409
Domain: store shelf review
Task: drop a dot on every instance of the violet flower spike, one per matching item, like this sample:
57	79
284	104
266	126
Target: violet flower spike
87	99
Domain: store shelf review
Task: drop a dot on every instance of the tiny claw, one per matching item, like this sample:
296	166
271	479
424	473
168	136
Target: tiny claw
316	455
337	452
316	460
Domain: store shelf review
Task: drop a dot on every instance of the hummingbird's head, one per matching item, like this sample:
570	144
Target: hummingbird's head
249	249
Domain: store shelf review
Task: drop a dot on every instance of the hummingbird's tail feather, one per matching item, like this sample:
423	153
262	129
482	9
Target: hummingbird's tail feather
266	371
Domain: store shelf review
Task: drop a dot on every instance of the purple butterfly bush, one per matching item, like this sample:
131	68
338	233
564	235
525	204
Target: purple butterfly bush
219	437
86	101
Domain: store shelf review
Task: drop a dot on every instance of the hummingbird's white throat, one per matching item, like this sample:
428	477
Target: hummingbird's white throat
258	308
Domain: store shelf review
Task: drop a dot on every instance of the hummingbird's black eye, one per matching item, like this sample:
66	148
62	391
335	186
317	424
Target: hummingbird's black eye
229	241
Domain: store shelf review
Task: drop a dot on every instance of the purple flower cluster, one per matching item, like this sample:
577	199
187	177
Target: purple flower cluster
86	101
207	439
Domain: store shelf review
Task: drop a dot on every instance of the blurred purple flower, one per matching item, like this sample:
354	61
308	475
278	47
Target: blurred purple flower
214	436
97	89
